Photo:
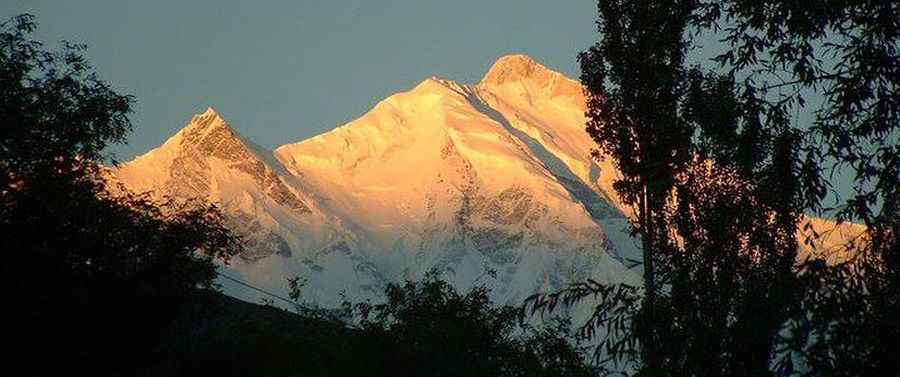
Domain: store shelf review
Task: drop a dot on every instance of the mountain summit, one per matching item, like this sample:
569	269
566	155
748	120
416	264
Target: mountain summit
205	122
514	68
490	183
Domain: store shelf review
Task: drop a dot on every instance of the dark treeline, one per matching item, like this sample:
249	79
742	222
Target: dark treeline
720	171
423	329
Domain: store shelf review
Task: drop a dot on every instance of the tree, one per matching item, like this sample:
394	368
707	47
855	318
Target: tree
849	53
713	176
733	176
424	328
631	78
95	275
428	328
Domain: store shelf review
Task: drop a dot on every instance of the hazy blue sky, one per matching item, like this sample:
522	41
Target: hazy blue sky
281	71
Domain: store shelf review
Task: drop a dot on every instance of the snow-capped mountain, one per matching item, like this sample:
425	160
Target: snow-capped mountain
490	183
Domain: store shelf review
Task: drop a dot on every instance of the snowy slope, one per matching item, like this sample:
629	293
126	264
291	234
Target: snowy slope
280	220
545	109
489	183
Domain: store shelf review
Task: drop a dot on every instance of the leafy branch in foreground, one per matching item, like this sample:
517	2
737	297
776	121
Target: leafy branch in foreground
615	311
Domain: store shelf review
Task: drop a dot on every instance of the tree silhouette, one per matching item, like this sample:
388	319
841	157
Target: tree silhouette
95	275
849	52
428	328
719	174
632	78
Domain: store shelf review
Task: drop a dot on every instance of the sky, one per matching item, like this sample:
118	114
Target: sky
281	71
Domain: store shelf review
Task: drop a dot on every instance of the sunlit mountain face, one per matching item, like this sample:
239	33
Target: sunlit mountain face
489	183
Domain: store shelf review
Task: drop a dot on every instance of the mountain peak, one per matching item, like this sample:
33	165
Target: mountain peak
513	67
210	134
205	121
209	111
206	125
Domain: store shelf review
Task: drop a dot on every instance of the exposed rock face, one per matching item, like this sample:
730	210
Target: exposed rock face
206	156
208	136
259	241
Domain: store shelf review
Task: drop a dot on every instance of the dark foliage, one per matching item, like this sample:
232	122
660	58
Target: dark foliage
719	174
218	335
710	180
631	78
94	277
616	306
849	319
427	328
424	329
